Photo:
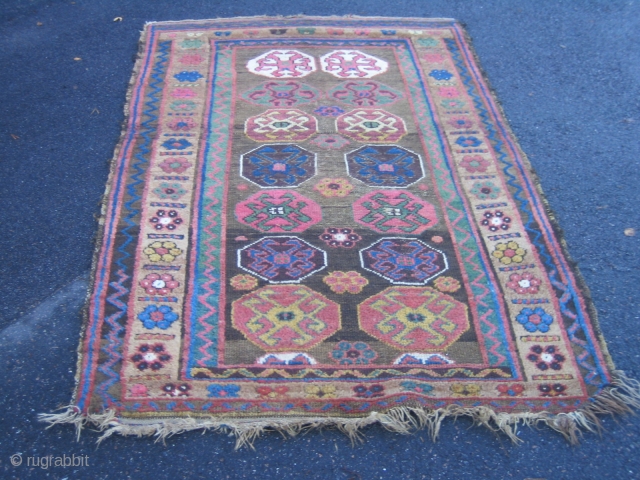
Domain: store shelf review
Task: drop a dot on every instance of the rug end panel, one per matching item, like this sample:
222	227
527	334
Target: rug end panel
622	396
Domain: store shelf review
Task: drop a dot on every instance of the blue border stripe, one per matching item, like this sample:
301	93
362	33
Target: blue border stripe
199	210
533	195
100	285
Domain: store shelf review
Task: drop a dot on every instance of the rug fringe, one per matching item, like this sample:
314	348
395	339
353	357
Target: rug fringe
622	396
72	415
311	18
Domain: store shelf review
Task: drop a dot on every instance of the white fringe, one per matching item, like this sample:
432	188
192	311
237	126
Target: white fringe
623	396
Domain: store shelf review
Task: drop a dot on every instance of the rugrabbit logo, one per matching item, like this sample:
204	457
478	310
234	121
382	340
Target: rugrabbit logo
47	461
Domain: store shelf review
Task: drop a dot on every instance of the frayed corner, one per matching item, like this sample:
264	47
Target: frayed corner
72	415
622	396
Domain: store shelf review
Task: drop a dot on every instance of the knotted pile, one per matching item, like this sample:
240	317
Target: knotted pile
327	222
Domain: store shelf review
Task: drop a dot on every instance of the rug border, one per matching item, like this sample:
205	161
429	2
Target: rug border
550	213
621	396
98	238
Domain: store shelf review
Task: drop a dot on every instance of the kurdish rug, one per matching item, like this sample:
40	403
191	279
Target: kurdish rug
319	221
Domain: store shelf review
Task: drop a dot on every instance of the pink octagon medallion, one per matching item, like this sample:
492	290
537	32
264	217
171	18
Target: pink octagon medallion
414	318
281	124
352	64
285	318
278	211
283	63
371	125
394	211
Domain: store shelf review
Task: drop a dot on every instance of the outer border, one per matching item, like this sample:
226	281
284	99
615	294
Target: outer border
104	207
549	212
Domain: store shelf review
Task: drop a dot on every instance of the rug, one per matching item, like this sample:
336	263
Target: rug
319	221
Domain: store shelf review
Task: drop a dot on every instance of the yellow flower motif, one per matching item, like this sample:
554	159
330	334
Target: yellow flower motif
340	282
509	253
318	391
446	284
462	390
334	187
244	282
162	251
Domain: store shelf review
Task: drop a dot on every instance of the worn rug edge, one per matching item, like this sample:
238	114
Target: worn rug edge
621	397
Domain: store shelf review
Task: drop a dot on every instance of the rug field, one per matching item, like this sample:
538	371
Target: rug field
319	221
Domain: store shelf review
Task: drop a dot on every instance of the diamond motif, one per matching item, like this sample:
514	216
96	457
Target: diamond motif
371	125
352	64
329	141
281	94
414	318
404	261
282	259
280	318
278	211
367	93
278	166
384	166
280	125
394	211
283	63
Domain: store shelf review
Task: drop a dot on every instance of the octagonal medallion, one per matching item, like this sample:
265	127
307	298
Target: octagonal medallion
352	64
282	63
404	261
282	259
278	166
371	125
281	125
278	211
394	211
416	319
388	166
279	318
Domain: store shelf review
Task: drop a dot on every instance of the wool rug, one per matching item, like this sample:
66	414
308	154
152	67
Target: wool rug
319	221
